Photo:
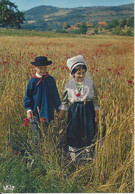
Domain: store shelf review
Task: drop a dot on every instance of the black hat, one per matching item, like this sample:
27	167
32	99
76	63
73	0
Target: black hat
41	61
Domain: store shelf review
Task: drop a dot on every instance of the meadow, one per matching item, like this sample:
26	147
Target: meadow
110	59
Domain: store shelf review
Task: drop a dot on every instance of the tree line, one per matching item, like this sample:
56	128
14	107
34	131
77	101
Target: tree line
122	23
115	26
122	27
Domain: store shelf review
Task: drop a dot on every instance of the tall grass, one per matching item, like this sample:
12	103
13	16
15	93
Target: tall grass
110	61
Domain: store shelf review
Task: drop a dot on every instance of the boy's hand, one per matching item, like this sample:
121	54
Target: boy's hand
29	114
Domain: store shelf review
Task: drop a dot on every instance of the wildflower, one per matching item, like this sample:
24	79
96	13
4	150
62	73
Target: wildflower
27	120
43	119
121	68
78	94
64	68
19	97
5	62
25	124
109	69
16	153
17	62
130	81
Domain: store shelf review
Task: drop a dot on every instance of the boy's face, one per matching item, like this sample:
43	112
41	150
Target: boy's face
79	75
41	70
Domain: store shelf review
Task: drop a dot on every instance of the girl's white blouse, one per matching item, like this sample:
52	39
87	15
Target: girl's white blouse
87	93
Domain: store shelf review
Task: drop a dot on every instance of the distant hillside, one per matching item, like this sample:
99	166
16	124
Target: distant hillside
52	18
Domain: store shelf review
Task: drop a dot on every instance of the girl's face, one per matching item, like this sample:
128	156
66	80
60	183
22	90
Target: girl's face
79	75
41	70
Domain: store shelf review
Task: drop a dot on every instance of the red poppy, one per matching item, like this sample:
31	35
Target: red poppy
25	124
78	94
19	97
5	61
16	153
130	81
109	69
64	68
43	119
27	120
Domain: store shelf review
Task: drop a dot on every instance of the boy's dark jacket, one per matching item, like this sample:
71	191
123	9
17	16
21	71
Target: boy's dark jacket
43	95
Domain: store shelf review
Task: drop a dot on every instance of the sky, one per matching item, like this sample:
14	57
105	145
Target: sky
24	5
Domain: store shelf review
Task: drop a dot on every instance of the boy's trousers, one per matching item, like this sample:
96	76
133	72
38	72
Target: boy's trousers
36	131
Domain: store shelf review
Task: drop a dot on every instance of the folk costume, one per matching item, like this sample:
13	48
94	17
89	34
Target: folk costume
41	97
81	113
42	93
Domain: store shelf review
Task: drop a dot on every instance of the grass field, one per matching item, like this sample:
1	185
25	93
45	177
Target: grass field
110	59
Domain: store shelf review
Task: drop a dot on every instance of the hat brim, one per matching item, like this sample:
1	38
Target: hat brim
43	64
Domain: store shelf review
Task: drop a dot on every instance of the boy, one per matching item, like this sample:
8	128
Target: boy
41	96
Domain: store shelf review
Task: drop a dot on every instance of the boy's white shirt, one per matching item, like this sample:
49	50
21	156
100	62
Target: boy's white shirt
38	75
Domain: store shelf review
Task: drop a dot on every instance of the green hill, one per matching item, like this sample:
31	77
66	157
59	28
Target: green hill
53	18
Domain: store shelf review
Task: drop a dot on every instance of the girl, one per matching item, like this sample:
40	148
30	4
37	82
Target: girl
81	94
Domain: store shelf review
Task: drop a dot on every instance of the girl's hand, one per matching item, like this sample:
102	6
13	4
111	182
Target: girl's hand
29	114
61	113
97	116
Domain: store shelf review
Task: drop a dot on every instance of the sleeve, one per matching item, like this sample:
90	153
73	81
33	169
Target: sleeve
28	98
56	97
65	101
95	99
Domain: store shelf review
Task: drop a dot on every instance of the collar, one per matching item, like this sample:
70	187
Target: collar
38	75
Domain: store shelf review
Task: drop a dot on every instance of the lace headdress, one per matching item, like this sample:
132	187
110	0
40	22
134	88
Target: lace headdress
74	62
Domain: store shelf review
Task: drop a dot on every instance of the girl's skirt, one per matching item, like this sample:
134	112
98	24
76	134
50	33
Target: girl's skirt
81	125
